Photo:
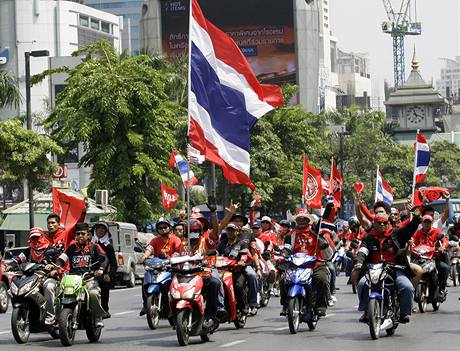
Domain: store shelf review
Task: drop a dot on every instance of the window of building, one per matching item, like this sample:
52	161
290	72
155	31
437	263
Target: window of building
106	27
84	21
95	24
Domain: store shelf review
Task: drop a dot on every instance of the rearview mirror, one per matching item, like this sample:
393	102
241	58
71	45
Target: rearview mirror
138	249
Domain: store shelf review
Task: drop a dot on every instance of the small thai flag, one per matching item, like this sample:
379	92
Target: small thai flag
422	159
184	169
383	190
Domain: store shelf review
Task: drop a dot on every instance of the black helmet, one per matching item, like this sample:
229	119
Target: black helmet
285	223
456	219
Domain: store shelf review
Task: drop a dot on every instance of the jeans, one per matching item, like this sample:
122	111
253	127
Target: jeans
348	265
405	293
220	291
210	291
253	285
49	292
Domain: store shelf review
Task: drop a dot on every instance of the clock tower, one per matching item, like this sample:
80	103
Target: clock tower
415	105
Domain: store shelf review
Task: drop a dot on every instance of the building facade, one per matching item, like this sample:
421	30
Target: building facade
354	79
130	10
449	83
61	27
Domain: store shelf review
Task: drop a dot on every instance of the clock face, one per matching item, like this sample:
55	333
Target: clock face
415	114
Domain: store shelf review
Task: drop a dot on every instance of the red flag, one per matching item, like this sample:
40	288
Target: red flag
431	193
336	185
71	209
312	185
172	159
168	197
326	183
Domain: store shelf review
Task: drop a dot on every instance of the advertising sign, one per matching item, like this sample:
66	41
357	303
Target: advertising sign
4	55
263	30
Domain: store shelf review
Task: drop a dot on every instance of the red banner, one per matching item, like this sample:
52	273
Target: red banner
336	186
71	209
429	194
312	185
169	197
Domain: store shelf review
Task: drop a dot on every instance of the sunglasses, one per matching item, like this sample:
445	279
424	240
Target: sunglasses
382	223
162	228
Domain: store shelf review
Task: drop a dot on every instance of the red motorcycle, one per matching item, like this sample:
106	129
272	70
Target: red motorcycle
237	313
186	299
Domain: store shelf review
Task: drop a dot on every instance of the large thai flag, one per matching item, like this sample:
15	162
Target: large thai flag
422	158
225	99
383	190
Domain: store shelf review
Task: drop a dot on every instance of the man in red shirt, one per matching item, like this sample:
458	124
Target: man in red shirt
428	235
165	245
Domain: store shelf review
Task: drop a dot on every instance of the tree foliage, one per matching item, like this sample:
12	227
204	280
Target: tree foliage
117	106
9	90
23	154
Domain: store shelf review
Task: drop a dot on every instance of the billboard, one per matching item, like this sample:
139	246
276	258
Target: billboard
263	29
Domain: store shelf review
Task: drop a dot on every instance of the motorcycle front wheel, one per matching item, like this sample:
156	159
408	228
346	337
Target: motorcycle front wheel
20	324
294	307
66	330
4	298
93	333
375	320
453	274
422	295
182	331
240	320
153	312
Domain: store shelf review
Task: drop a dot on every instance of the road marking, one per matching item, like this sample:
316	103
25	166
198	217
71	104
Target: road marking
124	289
329	315
122	313
282	328
137	295
233	343
5	332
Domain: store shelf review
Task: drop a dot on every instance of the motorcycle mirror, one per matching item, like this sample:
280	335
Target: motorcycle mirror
138	249
454	238
439	236
267	243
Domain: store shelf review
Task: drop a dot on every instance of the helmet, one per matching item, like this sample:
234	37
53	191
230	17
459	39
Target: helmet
285	223
255	224
353	220
243	217
195	225
162	220
38	246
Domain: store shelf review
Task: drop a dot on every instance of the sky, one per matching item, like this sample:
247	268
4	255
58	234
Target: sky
357	26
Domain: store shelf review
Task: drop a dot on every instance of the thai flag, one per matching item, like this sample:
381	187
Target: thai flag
225	99
383	190
327	227
184	169
422	158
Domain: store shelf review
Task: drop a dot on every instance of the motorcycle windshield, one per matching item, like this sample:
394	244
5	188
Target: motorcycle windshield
71	280
302	259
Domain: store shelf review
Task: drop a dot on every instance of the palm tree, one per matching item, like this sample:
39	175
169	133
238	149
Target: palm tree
9	91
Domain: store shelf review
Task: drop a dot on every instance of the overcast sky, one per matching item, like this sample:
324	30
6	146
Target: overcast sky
357	26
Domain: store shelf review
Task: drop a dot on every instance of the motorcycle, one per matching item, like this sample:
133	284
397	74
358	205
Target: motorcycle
29	304
427	291
383	309
186	300
339	260
157	278
264	284
237	310
4	296
298	275
454	260
77	310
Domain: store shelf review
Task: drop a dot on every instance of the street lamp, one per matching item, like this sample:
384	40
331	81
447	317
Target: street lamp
341	132
27	55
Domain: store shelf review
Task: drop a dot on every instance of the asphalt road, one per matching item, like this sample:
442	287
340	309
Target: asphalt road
339	330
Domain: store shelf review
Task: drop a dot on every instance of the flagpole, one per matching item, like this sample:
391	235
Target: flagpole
415	166
331	179
302	201
189	87
376	183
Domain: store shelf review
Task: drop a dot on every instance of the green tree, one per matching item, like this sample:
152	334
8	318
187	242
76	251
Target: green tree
23	154
9	90
117	106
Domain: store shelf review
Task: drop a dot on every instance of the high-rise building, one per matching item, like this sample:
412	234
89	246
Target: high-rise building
449	84
131	12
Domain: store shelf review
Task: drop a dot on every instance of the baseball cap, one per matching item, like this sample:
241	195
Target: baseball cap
266	219
36	231
427	218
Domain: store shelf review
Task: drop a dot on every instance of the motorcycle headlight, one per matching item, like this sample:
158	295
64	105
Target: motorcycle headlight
14	289
69	290
26	287
175	294
374	275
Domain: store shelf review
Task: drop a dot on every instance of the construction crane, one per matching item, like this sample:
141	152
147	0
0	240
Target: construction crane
399	25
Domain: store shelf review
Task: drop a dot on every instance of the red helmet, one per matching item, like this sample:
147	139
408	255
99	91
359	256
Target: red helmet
38	246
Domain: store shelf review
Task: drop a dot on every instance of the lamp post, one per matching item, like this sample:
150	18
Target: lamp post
341	132
27	55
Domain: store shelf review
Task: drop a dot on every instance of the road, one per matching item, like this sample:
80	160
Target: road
340	330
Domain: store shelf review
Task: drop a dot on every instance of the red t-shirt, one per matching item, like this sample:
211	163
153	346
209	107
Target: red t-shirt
171	246
268	236
422	238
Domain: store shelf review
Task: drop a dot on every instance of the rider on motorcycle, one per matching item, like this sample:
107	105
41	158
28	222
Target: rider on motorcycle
213	289
83	256
384	243
285	230
165	245
41	251
304	239
232	244
427	235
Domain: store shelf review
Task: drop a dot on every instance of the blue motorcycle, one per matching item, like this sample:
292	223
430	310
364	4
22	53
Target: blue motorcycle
156	283
298	275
